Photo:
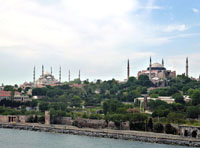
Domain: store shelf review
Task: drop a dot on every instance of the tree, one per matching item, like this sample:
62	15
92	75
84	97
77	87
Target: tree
8	88
193	111
138	121
150	124
43	106
33	103
169	129
158	128
178	98
177	118
196	97
39	91
12	95
144	81
76	101
105	108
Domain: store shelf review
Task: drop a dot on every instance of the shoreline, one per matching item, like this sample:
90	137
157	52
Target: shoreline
108	133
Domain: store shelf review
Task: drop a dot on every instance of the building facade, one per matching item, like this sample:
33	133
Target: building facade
158	74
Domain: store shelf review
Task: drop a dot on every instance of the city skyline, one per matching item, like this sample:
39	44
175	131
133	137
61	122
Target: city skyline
79	35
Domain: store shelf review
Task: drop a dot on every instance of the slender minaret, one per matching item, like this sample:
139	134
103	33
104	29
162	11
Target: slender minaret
51	70
150	69
34	75
79	74
128	70
163	63
69	76
60	75
187	67
42	70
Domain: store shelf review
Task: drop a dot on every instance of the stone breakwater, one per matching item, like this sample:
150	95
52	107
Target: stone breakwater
107	133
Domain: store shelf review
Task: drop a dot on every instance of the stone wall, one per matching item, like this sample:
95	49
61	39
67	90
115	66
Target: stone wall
189	131
13	118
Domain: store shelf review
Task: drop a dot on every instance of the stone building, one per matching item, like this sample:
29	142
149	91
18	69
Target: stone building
17	96
46	79
13	119
158	74
189	131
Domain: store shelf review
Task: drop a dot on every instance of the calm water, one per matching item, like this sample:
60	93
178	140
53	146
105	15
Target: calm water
10	138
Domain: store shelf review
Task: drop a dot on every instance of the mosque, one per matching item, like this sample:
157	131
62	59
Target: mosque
46	79
157	73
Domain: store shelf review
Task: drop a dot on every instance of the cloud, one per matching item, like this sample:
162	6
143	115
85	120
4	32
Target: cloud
175	27
195	10
178	63
94	35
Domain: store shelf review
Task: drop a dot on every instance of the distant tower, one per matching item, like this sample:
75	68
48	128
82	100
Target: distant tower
60	75
51	70
150	69
79	75
34	74
163	63
69	76
128	70
42	70
187	67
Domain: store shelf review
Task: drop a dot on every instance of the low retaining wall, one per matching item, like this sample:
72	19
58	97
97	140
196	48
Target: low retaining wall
125	135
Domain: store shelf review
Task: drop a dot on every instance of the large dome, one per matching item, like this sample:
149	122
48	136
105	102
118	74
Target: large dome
157	66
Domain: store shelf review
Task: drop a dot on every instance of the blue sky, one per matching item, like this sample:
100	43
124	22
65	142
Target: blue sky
97	36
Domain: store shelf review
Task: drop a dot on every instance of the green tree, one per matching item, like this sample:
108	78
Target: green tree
158	128
193	112
105	108
178	98
43	106
169	129
12	95
196	97
76	101
8	88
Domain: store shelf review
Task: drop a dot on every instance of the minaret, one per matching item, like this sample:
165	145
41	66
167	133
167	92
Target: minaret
150	69
34	75
187	67
60	75
79	74
51	70
69	76
162	62
42	70
128	70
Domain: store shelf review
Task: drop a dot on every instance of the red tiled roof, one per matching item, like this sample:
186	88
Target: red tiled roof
7	93
76	85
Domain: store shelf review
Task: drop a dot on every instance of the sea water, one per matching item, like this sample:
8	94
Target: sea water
11	138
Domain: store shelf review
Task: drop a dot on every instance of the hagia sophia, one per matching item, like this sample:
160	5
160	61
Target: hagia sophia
157	73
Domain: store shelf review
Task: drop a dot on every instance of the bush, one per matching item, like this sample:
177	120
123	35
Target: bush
41	119
158	128
75	123
169	129
154	96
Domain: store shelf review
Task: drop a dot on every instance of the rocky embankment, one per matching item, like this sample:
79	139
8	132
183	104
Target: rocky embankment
107	133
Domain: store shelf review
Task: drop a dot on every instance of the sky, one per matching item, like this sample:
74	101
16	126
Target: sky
97	37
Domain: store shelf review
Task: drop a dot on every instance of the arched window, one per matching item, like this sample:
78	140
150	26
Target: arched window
185	133
194	134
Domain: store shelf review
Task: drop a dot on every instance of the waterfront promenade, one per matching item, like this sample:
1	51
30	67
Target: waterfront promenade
108	133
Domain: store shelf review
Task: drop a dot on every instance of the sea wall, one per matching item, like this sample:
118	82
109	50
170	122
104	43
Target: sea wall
104	133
